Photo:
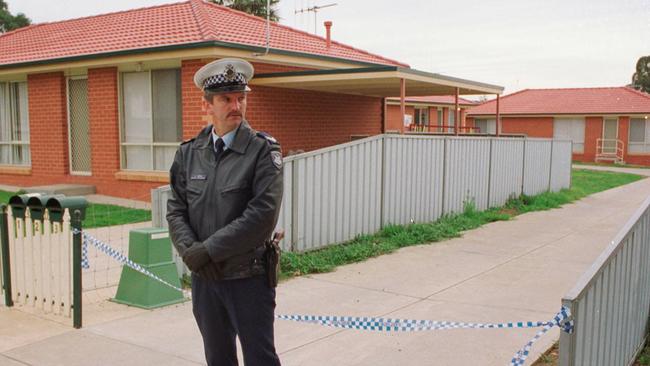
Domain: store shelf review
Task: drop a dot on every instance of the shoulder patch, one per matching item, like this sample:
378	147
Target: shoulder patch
187	141
276	158
271	140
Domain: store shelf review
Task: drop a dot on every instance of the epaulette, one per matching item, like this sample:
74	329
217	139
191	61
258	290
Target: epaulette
187	141
270	139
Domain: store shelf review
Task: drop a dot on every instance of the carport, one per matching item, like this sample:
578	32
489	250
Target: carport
381	81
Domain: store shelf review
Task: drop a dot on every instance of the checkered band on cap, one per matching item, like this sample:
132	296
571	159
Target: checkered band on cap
223	80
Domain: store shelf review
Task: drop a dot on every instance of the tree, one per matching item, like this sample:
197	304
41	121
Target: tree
10	22
254	7
641	78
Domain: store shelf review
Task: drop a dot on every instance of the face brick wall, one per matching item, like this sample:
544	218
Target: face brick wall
530	126
48	124
394	117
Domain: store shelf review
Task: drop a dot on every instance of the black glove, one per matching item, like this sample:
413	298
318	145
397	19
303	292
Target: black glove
196	256
210	273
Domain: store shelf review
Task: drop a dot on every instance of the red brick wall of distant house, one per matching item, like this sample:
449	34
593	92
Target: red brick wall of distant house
304	120
529	126
394	117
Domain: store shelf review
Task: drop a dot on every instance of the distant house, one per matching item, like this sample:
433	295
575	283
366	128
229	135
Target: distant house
605	124
105	100
426	114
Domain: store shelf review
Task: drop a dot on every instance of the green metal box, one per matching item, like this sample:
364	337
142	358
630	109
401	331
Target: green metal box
152	249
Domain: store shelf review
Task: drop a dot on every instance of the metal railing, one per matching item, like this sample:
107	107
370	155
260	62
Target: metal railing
442	129
332	195
610	150
611	301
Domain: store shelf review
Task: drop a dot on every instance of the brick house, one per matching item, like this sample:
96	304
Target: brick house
433	113
105	100
605	124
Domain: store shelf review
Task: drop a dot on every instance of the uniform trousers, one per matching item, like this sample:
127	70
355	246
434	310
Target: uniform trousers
241	308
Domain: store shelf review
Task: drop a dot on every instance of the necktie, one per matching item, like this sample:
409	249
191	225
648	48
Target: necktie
218	149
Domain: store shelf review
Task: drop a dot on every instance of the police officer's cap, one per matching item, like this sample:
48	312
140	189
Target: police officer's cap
227	75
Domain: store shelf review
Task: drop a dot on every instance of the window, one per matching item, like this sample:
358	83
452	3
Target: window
639	140
422	116
485	126
570	129
440	122
452	120
14	124
151	119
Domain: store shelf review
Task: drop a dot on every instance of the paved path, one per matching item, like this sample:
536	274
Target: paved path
504	271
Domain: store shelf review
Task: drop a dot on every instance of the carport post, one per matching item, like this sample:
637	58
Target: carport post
4	241
456	117
402	96
498	118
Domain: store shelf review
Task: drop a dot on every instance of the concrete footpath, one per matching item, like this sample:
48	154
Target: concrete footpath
505	271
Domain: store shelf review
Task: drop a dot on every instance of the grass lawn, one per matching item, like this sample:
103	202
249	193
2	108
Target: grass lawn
644	357
100	215
391	238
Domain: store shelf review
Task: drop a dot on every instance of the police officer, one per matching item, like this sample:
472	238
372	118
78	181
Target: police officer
227	190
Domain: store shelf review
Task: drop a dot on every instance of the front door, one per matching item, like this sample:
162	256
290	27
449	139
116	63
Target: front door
78	126
610	135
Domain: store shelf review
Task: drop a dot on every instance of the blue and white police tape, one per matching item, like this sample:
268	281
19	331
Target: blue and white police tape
562	319
117	255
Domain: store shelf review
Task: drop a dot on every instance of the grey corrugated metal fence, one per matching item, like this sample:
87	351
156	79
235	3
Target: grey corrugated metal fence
334	194
611	301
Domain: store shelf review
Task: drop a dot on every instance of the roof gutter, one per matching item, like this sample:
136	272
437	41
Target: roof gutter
236	46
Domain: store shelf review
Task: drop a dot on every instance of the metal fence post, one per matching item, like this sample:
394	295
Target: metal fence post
444	175
523	167
490	173
550	168
75	222
568	341
4	241
382	193
294	205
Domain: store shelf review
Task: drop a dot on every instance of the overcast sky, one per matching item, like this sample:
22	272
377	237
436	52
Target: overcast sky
513	43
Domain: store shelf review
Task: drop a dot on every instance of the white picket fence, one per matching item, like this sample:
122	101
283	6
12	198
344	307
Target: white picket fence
332	195
41	263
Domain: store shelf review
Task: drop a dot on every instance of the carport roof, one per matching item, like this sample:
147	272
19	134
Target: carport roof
380	81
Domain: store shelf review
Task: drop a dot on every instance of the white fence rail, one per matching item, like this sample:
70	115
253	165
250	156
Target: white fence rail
41	263
611	301
334	194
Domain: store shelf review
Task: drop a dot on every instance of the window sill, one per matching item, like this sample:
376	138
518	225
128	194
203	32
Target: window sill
142	176
15	170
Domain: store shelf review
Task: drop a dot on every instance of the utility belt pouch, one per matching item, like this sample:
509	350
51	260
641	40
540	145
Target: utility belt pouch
272	258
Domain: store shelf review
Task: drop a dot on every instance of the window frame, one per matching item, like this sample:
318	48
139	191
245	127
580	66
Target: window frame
7	85
646	142
122	120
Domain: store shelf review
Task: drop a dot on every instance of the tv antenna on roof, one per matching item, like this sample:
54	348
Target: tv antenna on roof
315	9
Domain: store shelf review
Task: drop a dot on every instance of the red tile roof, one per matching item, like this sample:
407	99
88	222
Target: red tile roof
437	99
184	23
613	100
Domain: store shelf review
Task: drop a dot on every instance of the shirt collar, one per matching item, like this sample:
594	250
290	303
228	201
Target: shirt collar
227	138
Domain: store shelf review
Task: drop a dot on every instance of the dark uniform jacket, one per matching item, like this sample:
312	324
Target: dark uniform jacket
231	206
